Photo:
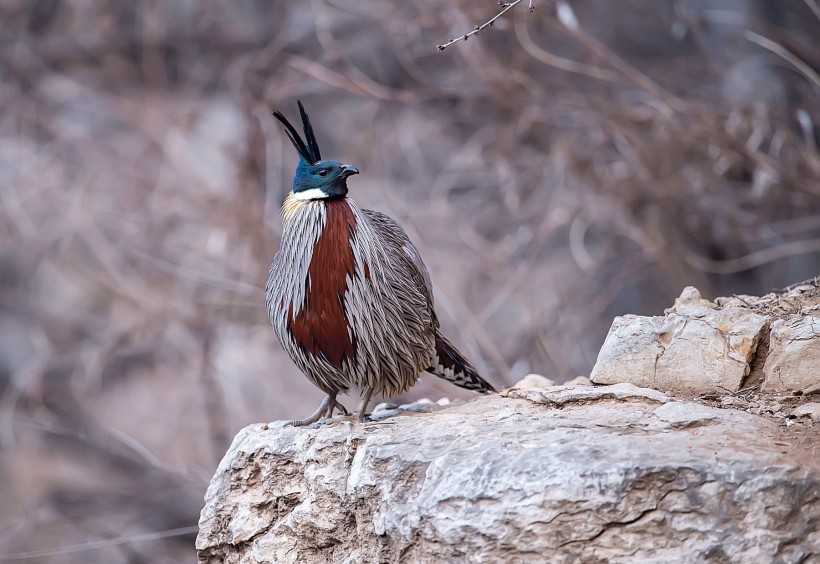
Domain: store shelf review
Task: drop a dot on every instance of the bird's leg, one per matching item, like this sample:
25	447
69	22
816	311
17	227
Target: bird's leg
363	404
325	407
335	405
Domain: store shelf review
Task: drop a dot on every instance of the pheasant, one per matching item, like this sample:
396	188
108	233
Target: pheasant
348	295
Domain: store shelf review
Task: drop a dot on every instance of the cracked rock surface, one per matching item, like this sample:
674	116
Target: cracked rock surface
556	474
793	361
770	342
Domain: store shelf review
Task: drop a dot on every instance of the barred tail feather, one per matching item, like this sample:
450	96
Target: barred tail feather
450	365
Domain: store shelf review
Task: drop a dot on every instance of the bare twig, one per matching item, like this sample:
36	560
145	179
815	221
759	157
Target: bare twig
562	63
787	55
812	4
507	6
98	544
765	256
570	25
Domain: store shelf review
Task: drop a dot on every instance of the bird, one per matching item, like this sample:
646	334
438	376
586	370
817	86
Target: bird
348	295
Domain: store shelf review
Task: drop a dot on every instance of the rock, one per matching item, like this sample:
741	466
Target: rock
534	381
578	381
679	414
696	347
794	354
610	474
690	296
808	410
731	401
772	342
387	410
786	399
385	406
813	389
562	395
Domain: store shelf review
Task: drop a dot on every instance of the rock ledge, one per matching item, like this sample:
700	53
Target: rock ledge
558	474
771	343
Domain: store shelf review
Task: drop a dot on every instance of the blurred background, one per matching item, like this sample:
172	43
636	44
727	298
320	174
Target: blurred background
584	160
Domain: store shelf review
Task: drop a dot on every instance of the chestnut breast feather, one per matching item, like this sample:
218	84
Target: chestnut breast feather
321	326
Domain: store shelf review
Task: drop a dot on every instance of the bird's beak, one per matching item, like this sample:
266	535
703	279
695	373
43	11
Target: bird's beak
349	170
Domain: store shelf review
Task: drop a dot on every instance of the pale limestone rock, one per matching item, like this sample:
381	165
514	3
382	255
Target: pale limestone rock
731	401
679	414
562	395
578	381
695	347
793	362
811	390
790	398
616	474
772	342
808	410
690	296
387	409
534	381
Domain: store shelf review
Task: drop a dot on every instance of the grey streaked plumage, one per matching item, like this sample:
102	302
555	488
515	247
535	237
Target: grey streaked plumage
348	295
388	313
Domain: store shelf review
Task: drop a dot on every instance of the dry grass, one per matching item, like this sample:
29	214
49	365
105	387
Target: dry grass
552	175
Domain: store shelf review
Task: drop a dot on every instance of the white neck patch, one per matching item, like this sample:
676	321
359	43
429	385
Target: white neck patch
312	194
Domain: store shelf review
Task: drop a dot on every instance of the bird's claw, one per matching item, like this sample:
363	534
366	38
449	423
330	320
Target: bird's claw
341	408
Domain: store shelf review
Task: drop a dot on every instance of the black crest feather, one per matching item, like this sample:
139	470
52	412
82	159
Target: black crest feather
310	151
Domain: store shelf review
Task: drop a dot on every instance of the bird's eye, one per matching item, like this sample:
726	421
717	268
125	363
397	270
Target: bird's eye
322	172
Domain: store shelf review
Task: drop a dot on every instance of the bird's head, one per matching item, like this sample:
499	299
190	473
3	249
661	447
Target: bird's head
315	179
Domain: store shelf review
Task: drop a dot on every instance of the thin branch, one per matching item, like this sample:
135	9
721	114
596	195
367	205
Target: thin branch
507	6
98	544
569	24
812	4
752	260
569	65
787	55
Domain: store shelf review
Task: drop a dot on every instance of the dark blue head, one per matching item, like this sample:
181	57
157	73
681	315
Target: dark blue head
324	179
315	179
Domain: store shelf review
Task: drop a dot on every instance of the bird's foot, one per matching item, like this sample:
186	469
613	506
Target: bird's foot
338	406
358	417
307	422
322	414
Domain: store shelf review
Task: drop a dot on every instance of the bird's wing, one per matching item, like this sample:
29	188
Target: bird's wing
394	235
